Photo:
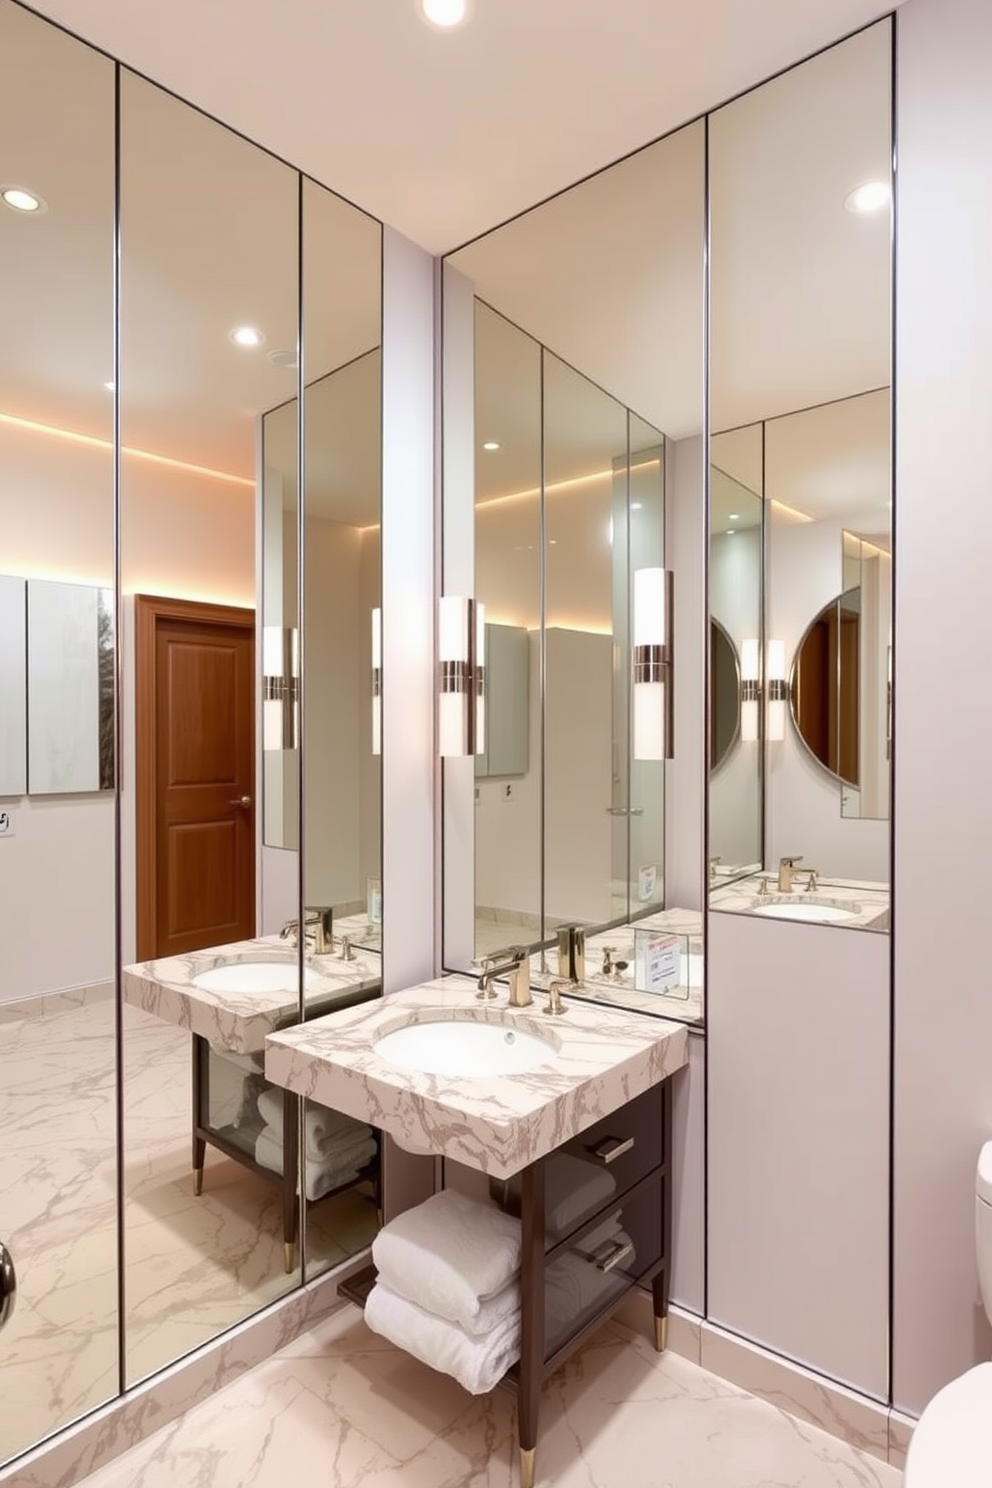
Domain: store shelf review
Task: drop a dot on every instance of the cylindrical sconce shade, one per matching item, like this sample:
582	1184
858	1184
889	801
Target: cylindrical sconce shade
653	721
750	689
280	687
777	690
461	648
376	681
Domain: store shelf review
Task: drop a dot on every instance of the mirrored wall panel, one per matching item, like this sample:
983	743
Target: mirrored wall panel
801	412
209	293
586	445
58	1157
341	670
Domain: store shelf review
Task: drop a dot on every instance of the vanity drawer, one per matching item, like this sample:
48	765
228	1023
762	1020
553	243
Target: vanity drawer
585	1274
626	1145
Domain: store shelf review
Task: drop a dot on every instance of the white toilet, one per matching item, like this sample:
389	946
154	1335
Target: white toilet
952	1443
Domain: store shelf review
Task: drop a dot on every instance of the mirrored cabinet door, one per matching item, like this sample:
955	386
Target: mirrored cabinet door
800	372
209	317
58	1158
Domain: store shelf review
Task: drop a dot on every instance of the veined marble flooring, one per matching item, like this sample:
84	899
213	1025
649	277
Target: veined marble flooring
194	1266
341	1408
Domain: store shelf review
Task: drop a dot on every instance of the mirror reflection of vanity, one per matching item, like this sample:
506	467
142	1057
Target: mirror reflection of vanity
578	444
143	536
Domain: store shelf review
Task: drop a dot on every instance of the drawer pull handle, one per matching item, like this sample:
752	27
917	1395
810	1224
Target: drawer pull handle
613	1148
621	1252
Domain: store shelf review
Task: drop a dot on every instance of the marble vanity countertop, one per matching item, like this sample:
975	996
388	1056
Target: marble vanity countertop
240	1020
684	1004
498	1124
867	904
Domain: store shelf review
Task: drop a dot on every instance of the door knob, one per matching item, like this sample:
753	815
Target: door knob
244	801
8	1284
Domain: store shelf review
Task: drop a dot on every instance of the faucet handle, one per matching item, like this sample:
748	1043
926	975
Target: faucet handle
556	1008
790	862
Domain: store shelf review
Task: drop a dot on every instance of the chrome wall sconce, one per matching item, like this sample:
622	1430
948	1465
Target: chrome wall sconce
652	654
377	681
461	680
776	691
280	688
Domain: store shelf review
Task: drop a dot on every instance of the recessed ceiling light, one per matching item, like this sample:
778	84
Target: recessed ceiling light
21	199
247	336
444	13
491	444
870	197
636	505
286	361
735	516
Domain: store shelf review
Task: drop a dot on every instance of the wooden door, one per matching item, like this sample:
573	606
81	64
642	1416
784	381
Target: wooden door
195	775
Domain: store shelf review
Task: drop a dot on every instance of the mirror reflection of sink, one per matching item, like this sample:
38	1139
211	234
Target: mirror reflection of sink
802	907
253	976
466	1048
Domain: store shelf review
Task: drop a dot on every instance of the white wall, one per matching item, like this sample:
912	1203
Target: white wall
943	1011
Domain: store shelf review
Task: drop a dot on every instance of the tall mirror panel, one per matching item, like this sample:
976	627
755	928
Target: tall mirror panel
58	1165
801	414
209	319
341	677
588	526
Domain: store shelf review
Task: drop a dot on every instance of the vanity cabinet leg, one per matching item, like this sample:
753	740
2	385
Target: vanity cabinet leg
661	1285
200	1098
293	1192
532	1318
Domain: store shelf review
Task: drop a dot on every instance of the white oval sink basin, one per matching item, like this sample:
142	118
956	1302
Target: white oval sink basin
810	910
253	976
459	1046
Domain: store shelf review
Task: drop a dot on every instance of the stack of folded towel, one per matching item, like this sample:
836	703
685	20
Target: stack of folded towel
336	1147
448	1289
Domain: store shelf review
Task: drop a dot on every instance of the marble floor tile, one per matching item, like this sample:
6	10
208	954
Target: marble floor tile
342	1408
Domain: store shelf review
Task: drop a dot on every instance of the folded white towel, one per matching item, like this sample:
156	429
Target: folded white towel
326	1132
320	1177
335	1157
574	1187
250	1063
477	1363
449	1255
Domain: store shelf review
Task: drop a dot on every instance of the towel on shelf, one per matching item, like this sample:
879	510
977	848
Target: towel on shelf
478	1362
574	1187
449	1255
326	1133
248	1062
319	1177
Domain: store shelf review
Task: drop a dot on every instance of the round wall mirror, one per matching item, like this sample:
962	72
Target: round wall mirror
824	686
725	694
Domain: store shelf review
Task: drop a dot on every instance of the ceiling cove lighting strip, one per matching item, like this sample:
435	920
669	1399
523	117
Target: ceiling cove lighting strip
33	427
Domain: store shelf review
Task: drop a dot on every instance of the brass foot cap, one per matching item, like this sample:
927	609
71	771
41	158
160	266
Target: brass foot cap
661	1333
527	1456
197	1181
289	1255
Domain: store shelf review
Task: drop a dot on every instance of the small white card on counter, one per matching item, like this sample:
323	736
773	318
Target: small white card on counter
658	963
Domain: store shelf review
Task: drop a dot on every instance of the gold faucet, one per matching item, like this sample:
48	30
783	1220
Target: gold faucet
556	1007
316	930
518	969
785	867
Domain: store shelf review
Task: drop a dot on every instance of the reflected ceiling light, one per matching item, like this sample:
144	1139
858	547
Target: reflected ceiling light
636	505
247	336
444	13
21	200
491	444
734	517
286	361
110	386
870	197
14	421
731	532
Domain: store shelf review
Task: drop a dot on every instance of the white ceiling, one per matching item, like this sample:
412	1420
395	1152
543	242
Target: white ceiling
441	135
